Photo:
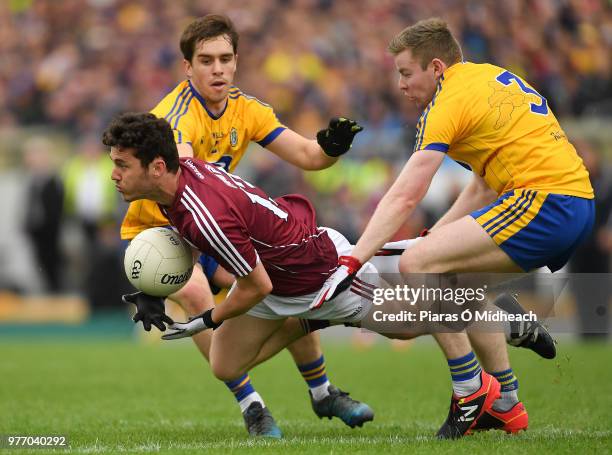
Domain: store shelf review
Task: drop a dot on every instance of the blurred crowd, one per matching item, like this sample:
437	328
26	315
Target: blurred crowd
72	64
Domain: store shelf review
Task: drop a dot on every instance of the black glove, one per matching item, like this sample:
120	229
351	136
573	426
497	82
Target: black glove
149	310
336	139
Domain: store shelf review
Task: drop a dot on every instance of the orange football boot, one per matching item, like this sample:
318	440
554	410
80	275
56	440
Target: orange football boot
511	421
464	412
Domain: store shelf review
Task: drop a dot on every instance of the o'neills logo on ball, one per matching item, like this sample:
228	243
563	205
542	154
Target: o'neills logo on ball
168	278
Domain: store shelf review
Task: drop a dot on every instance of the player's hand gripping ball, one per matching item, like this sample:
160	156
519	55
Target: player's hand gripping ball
149	310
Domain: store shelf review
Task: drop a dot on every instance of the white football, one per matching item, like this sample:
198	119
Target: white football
158	262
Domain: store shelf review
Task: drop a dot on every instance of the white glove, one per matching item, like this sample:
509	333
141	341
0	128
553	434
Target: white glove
398	247
341	279
193	326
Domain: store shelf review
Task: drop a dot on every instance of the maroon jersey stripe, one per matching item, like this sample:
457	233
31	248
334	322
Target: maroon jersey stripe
223	238
212	239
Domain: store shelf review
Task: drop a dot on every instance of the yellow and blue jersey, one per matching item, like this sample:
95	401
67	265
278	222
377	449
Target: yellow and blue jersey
221	139
495	124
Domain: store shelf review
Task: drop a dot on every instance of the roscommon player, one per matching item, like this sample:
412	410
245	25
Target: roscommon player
529	204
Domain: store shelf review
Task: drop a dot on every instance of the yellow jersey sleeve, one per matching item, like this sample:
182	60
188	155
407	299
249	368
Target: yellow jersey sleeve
141	215
260	120
175	108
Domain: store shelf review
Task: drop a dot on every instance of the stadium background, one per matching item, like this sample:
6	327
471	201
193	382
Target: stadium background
67	66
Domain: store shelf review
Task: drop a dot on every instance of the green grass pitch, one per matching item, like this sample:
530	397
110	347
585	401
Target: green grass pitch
122	396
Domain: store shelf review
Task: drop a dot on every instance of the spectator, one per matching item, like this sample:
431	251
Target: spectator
75	73
43	210
90	194
72	64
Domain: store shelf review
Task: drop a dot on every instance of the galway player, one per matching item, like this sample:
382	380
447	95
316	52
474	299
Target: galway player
215	121
279	255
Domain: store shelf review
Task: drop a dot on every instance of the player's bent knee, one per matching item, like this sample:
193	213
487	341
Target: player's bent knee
224	371
402	336
411	263
419	263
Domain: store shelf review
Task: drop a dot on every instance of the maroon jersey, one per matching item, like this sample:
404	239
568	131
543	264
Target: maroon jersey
238	224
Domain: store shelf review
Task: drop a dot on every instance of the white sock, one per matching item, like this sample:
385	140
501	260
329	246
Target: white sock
506	401
465	388
319	392
250	398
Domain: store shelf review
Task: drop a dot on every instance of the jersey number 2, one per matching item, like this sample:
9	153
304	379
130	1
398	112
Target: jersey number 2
507	77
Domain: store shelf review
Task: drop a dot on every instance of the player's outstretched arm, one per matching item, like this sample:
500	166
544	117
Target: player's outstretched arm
311	155
248	291
398	203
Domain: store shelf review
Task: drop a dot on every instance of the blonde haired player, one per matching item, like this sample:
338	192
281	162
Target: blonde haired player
530	202
215	121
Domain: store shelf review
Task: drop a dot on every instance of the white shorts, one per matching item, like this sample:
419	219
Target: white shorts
349	306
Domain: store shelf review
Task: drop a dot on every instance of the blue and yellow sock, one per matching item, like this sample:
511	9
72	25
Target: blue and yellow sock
465	374
509	390
315	375
244	391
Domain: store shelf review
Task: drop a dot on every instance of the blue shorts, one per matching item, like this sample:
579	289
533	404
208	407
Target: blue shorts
537	229
209	265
